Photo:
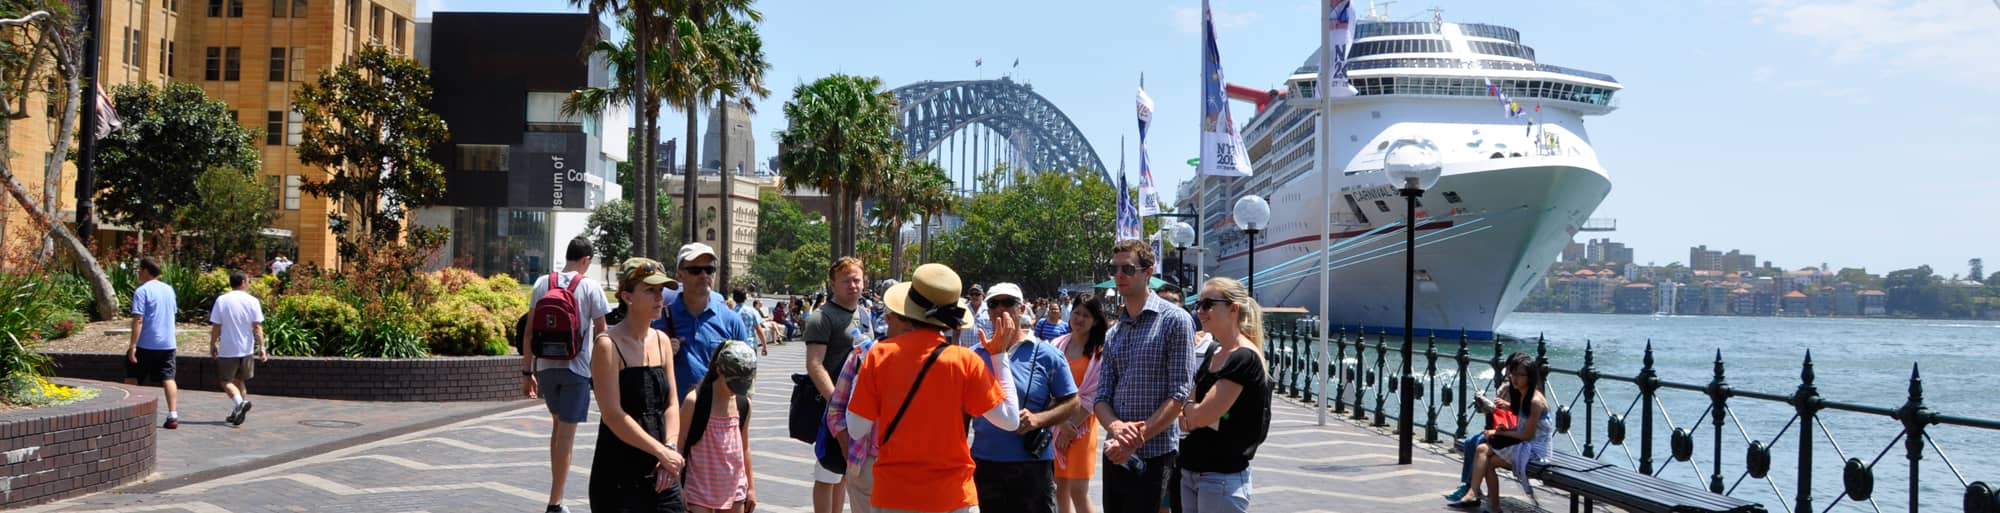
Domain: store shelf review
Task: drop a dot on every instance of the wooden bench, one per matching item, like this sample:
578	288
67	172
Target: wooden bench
1596	481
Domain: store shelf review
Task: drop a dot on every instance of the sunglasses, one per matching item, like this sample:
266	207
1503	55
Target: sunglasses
1125	269
641	270
1203	304
698	270
1003	302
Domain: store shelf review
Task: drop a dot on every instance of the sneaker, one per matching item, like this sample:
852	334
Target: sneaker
556	508
235	412
242	412
172	423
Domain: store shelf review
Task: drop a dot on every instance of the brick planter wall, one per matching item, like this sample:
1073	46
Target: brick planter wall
470	378
58	452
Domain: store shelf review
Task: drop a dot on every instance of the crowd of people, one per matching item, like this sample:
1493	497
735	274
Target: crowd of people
984	396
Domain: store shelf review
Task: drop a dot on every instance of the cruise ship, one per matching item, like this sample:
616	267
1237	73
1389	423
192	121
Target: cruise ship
1513	191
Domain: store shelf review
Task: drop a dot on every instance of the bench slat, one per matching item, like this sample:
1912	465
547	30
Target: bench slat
1631	490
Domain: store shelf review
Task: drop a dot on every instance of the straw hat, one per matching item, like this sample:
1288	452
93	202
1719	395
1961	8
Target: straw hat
931	297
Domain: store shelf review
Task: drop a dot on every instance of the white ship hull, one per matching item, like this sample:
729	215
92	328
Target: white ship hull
1481	256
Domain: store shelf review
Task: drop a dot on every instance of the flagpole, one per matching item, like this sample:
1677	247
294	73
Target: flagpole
1321	153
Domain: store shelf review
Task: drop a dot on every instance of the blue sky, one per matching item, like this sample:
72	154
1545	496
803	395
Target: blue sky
1859	133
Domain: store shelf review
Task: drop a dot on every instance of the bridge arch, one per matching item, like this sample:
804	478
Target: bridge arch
969	126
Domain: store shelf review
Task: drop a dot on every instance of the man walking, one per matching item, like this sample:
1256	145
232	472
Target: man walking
753	321
564	386
235	332
1015	468
829	335
149	354
1142	384
918	387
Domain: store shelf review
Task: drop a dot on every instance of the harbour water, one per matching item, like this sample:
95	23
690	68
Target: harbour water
1860	361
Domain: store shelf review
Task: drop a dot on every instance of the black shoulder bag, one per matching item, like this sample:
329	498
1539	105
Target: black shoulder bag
891	430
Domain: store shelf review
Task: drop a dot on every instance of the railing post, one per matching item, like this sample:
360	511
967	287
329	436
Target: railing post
1807	402
1589	375
1497	365
1542	357
1718	398
1430	381
1914	416
1361	384
1338	372
1284	366
1381	375
1464	359
1310	365
1649	384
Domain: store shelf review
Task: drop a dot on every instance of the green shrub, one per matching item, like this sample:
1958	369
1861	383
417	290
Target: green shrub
461	327
451	280
505	284
389	329
71	290
63	324
286	338
265	288
26	306
194	292
329	321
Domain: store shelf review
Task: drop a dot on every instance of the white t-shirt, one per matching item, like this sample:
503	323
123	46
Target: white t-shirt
238	313
591	307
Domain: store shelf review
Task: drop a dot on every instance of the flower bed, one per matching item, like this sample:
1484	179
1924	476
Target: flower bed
63	451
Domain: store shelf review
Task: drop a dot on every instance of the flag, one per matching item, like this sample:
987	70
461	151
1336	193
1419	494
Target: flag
1149	196
1340	30
1017	62
1159	249
1222	151
1128	215
1507	105
107	115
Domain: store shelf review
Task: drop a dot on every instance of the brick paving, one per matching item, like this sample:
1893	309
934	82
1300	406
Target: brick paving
498	462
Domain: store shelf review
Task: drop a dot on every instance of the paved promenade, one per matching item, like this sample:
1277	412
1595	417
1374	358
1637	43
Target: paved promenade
298	455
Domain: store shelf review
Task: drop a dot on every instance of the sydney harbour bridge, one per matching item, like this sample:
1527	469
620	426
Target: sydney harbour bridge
970	126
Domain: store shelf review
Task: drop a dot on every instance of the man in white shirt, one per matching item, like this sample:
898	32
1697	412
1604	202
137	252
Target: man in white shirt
235	333
564	386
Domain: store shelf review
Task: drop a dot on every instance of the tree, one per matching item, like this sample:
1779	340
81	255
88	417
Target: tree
630	82
230	214
45	45
912	188
369	125
692	76
1029	232
841	140
739	66
931	194
1860	278
612	232
1912	291
791	246
172	136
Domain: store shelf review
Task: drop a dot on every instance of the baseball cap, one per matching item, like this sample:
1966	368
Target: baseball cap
695	250
645	270
1005	289
737	364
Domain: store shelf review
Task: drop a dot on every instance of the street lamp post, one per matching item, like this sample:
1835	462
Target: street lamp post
1183	236
1411	164
1251	213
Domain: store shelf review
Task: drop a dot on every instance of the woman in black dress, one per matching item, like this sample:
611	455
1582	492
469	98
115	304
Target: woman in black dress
1231	408
636	467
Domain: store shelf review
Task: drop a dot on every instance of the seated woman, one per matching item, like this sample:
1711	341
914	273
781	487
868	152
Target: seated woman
1514	448
1503	399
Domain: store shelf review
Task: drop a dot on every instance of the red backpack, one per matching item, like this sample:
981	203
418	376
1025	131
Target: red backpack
558	330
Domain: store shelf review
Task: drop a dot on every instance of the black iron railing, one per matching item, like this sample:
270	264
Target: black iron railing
1359	387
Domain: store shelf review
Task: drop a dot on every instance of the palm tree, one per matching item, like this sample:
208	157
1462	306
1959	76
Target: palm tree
930	195
738	54
692	69
625	68
839	139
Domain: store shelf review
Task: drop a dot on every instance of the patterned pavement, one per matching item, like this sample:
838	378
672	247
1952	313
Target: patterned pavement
498	462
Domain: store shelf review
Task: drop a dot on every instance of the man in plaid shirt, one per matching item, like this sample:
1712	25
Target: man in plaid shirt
860	453
1142	384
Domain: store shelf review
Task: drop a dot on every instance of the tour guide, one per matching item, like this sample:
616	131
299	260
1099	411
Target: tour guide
924	385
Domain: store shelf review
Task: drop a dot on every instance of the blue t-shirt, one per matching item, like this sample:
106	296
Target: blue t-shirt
1046	330
155	302
1041	376
699	336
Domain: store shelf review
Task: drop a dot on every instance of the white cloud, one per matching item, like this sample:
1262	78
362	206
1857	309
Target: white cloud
1771	76
1188	19
1956	40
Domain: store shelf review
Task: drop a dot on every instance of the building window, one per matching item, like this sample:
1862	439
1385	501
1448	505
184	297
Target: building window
711	235
274	128
213	69
235	8
232	64
353	13
298	63
288	8
214	8
482	157
275	189
295	127
398	33
166	57
375	22
292	183
278	64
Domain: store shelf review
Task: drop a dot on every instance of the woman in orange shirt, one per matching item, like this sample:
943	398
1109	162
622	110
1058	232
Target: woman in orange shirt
1076	440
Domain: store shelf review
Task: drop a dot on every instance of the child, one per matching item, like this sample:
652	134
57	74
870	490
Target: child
718	472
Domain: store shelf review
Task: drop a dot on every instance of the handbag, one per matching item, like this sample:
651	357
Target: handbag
808	410
1034	441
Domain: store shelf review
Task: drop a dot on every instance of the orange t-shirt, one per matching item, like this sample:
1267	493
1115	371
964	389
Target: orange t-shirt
929	467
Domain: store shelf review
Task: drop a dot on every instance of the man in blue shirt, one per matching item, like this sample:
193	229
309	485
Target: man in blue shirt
1015	470
150	353
696	335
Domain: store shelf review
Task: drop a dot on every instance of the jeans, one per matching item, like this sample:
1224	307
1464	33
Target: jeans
1137	490
1210	492
1023	486
1469	447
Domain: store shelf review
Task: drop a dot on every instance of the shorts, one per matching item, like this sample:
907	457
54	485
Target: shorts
240	368
822	475
566	393
153	365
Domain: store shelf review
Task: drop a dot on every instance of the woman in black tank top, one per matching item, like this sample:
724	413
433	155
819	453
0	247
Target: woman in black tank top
636	467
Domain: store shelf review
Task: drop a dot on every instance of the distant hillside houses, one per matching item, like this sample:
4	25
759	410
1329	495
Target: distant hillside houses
1606	286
